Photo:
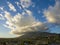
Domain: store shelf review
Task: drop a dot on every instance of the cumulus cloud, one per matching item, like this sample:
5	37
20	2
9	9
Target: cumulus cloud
26	3
53	13
11	6
22	23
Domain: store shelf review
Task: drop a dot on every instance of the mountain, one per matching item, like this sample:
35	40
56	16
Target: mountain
32	35
41	37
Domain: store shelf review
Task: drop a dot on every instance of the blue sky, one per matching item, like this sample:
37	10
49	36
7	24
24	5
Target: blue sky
20	16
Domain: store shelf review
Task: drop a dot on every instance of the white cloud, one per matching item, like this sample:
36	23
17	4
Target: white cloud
22	23
1	17
26	3
8	16
2	8
18	4
53	13
9	22
11	6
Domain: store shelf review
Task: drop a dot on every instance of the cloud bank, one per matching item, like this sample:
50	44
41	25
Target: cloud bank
53	13
22	23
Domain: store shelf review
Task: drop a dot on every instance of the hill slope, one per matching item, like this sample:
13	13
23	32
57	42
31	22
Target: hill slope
41	37
35	38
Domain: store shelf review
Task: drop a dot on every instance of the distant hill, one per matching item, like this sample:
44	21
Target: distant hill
33	35
41	37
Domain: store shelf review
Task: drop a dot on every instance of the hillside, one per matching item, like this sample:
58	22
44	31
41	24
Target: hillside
34	38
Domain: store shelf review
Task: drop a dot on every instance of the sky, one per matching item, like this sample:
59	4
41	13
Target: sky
18	17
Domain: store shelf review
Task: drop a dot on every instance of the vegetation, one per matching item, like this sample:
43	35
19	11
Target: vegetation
34	39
